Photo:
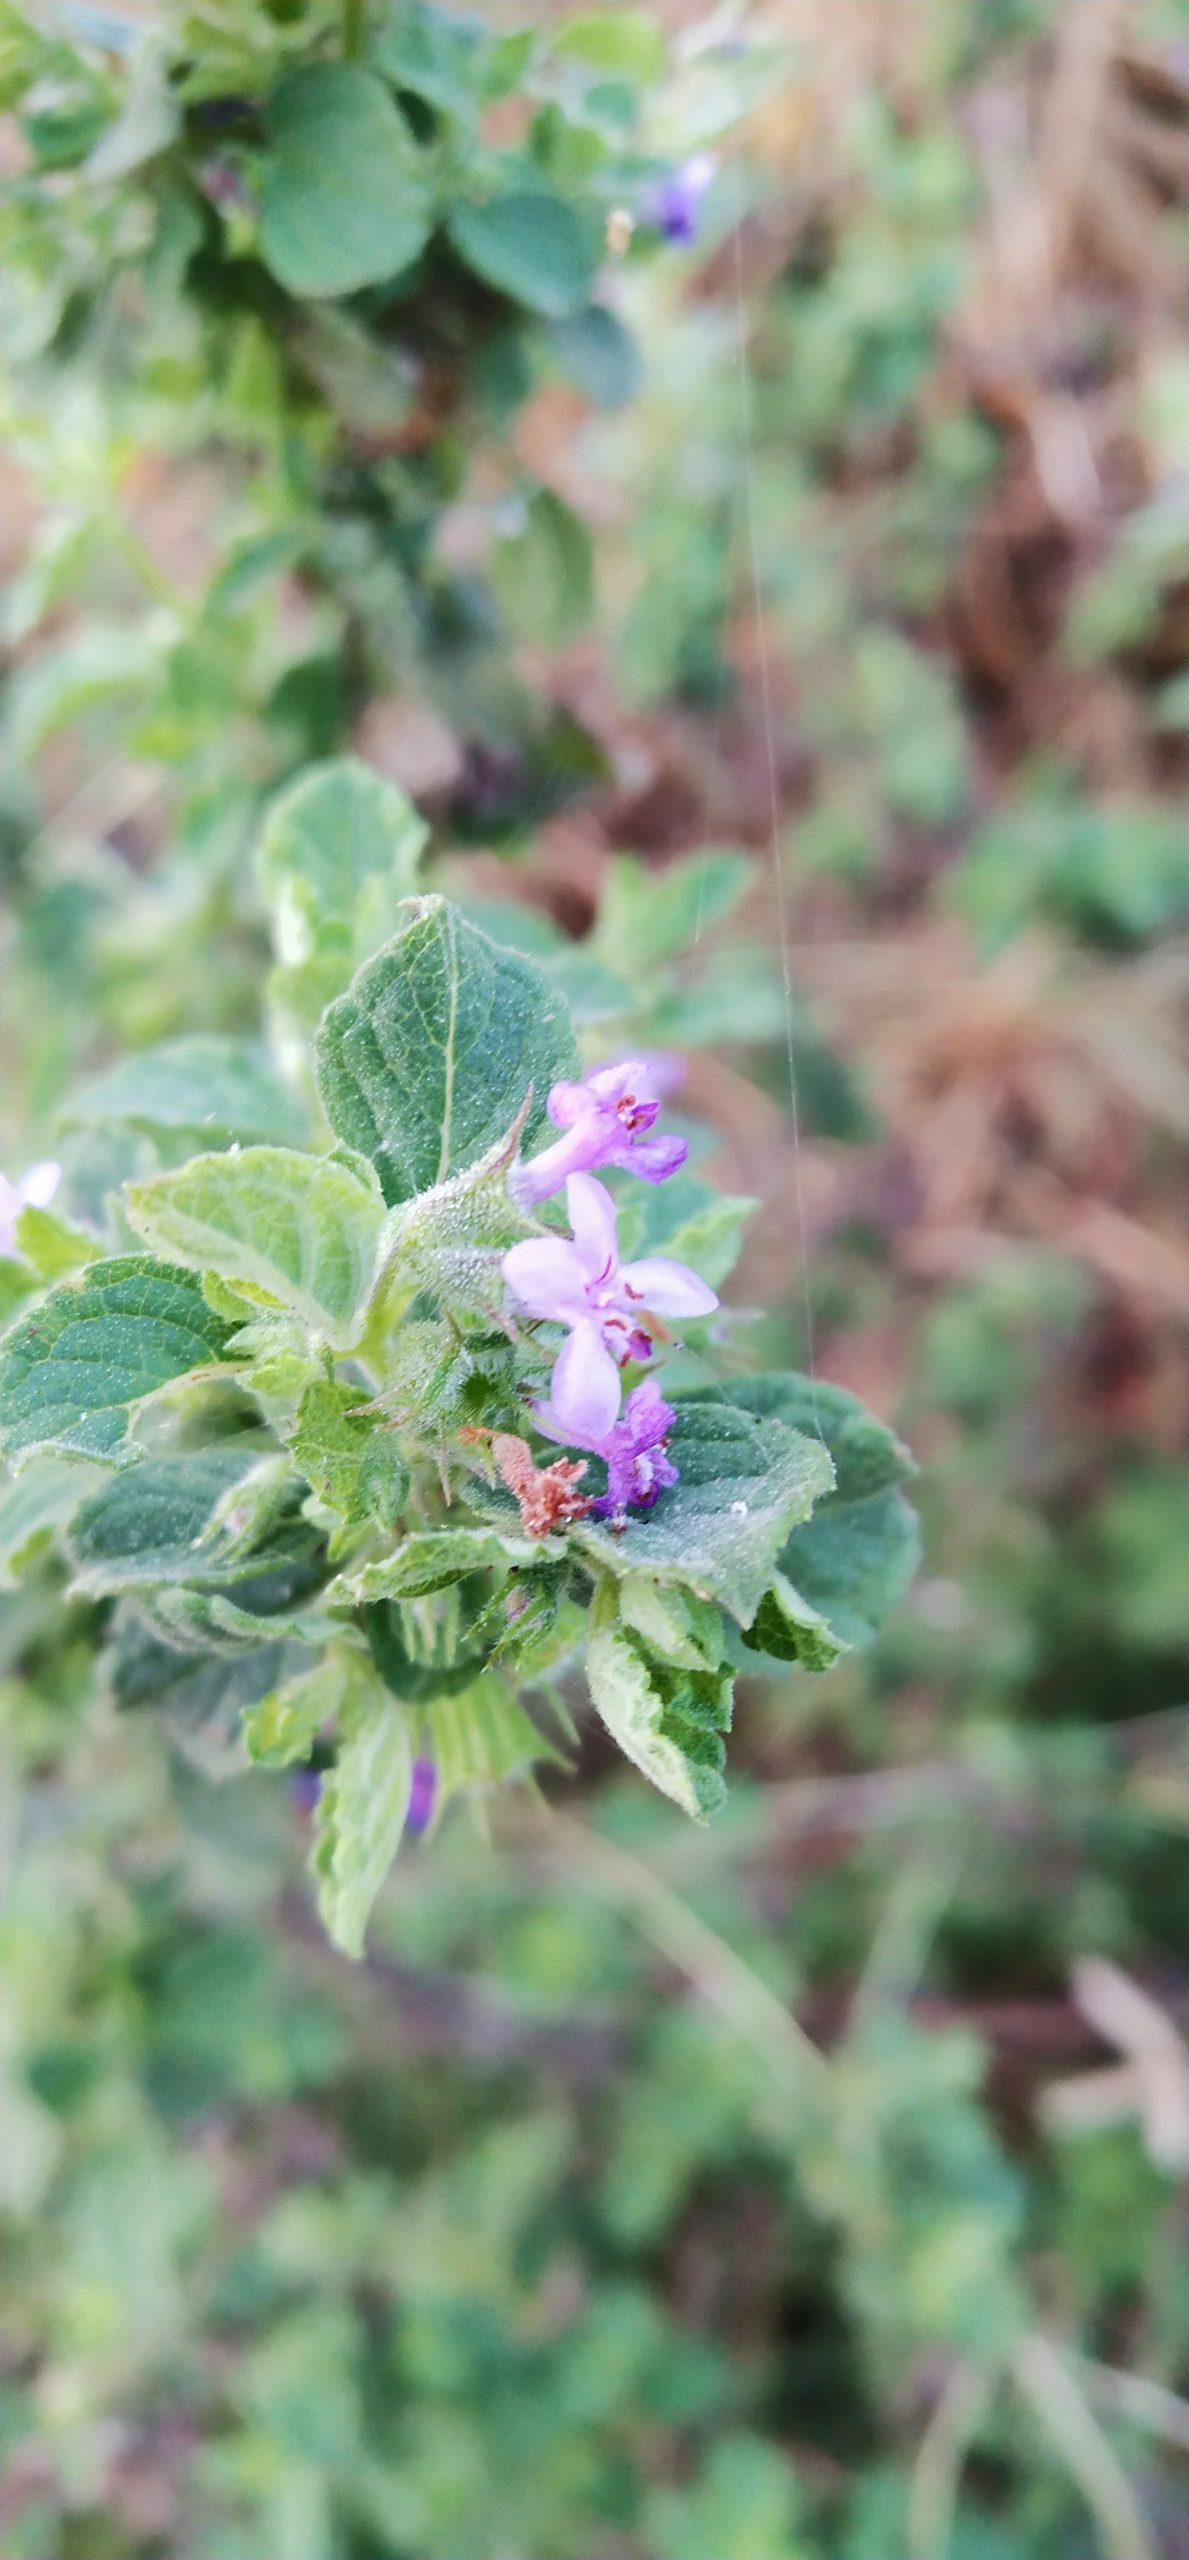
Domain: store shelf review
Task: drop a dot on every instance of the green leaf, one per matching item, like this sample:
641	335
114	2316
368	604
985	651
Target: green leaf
626	43
674	1623
788	1629
431	1054
428	1560
362	1809
18	1280
448	1241
543	572
743	1483
437	57
208	1622
302	1229
649	917
851	1563
347	1456
73	1372
669	1721
52	1244
690	1222
531	246
480	1737
283	1726
341	850
220	1090
201	1696
40	1499
598	355
345	201
171	1520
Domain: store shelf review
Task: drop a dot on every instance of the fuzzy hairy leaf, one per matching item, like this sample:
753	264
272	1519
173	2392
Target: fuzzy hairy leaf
429	1560
73	1372
670	1722
428	1058
848	1566
219	1090
282	1726
480	1736
302	1229
347	1456
362	1808
743	1482
201	1696
166	1520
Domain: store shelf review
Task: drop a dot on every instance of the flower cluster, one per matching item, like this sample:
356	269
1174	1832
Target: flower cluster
611	1310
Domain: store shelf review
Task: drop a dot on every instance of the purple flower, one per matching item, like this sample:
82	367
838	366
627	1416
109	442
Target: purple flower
635	1450
35	1190
607	1305
608	1119
422	1795
674	205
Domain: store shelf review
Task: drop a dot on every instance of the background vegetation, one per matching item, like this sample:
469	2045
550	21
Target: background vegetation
811	2187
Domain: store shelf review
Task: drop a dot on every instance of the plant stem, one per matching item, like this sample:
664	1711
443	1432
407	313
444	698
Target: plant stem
353	19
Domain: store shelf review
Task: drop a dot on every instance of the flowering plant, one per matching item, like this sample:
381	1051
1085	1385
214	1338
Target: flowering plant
287	1408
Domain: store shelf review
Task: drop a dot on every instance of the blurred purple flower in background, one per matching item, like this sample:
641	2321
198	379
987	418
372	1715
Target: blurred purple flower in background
580	1282
422	1797
674	206
608	1119
35	1190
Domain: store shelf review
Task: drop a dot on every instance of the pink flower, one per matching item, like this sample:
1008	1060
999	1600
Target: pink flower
608	1119
635	1451
35	1190
607	1306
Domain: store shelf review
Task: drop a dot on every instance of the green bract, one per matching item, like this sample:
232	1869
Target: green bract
318	1504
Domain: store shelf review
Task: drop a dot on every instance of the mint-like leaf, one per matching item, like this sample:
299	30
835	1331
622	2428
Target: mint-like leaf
850	1564
303	1230
669	1721
743	1483
73	1372
362	1808
426	1061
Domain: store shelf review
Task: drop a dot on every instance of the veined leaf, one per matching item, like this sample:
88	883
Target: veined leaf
73	1372
743	1483
670	1722
362	1808
303	1229
172	1520
848	1566
480	1736
429	1560
430	1055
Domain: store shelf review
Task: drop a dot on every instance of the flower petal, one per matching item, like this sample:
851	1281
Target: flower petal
567	1103
547	1277
584	1397
591	1212
656	1158
668	1288
542	1175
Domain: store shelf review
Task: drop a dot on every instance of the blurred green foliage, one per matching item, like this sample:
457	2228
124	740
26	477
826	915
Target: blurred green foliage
544	2233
